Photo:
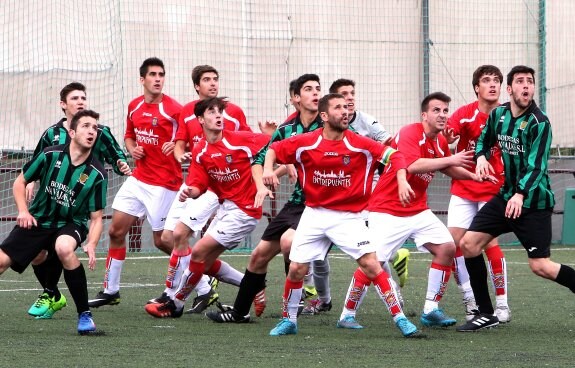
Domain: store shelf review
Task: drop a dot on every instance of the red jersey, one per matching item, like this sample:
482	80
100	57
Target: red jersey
225	167
414	144
190	129
335	174
468	122
152	125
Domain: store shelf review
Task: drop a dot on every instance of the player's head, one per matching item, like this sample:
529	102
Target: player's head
209	113
292	86
206	81
434	112
73	98
346	88
521	85
84	128
486	82
307	92
152	76
333	111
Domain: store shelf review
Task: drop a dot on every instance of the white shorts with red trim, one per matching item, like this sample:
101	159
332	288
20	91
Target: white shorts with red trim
461	212
194	213
231	225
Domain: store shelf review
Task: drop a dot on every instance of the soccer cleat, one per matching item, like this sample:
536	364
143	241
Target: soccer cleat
480	322
214	283
436	318
55	306
260	303
407	328
229	316
159	300
309	292
41	305
349	322
284	327
103	298
400	265
86	323
503	313
471	309
166	310
324	307
310	307
202	302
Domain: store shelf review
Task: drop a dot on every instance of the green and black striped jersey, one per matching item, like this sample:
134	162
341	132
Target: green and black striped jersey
106	148
67	193
286	130
525	142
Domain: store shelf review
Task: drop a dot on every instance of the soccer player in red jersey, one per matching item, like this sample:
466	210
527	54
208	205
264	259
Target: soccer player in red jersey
391	222
335	168
221	161
467	197
152	122
193	214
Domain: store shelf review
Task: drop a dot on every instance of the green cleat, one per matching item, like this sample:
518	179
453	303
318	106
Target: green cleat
40	306
400	265
55	306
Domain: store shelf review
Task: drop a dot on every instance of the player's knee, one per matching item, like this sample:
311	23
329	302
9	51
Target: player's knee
468	247
541	267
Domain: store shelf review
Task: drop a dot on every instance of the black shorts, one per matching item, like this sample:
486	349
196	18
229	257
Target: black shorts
287	218
532	228
23	245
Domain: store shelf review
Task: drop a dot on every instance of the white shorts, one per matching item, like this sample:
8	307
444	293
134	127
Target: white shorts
461	212
138	199
388	233
194	213
231	225
320	227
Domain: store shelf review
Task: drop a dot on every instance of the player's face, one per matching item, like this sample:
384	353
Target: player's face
436	116
153	82
309	96
85	133
348	92
209	85
522	90
489	88
337	115
75	101
212	120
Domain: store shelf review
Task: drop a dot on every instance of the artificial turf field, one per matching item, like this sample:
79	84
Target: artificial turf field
541	334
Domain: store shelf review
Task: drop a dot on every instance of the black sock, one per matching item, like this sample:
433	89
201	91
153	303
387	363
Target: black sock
40	271
478	279
286	266
76	281
566	277
52	277
251	284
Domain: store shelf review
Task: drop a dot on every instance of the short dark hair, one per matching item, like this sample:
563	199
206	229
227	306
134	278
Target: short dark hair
517	69
74	86
80	114
434	96
292	86
301	80
323	103
203	105
485	70
340	83
199	70
153	61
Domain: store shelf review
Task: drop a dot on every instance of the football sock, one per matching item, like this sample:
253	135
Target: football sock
291	298
321	279
179	262
461	275
251	284
566	277
498	272
203	287
436	285
355	293
114	263
478	278
224	272
190	278
387	294
77	285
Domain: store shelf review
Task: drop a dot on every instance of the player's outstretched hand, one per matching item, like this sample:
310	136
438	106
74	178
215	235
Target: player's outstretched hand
270	179
261	195
91	256
483	168
292	173
168	148
26	220
450	135
124	167
268	127
185	194
185	157
463	159
405	192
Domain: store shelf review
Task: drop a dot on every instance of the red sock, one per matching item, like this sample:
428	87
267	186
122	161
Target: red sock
196	272
118	254
386	293
173	265
437	284
496	260
359	283
215	268
291	297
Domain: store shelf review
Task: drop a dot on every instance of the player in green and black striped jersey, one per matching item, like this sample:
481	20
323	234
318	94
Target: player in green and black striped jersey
525	203
73	187
48	270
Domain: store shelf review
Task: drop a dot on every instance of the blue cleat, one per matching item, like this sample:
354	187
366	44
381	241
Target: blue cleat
284	327
86	323
437	318
407	328
349	322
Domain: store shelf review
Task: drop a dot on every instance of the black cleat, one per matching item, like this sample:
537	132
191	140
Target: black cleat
202	302
480	322
164	298
103	298
229	316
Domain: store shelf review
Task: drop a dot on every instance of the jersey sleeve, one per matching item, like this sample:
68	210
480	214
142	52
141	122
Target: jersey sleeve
239	114
407	143
286	150
454	122
34	168
199	177
42	143
537	161
113	152
130	133
488	139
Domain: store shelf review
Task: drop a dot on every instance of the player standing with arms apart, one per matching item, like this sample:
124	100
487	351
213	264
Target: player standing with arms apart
278	235
221	161
152	122
335	168
206	80
391	222
72	190
525	202
468	197
47	267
